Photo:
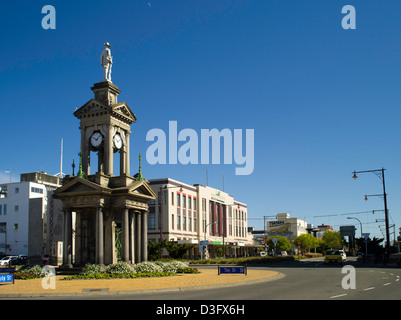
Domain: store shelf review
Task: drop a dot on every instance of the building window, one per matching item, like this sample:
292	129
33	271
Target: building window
172	221
184	201
172	198
178	200
36	190
5	209
1	209
189	202
16	190
151	221
178	222
16	208
194	207
184	223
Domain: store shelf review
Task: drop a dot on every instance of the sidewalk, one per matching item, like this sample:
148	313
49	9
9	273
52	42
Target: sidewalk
208	278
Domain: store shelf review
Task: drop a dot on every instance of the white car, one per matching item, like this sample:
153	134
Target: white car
343	255
6	260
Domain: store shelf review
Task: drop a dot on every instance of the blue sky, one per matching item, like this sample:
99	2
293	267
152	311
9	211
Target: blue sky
322	100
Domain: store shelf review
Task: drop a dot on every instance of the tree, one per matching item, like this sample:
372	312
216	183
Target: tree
307	241
282	243
332	240
176	251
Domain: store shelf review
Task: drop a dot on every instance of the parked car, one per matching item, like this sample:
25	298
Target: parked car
284	253
21	260
7	259
46	259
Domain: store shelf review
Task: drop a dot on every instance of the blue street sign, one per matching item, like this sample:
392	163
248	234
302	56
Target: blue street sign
232	270
203	242
6	278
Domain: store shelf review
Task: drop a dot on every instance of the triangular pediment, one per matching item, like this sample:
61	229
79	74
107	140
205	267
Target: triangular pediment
79	186
92	108
138	188
122	110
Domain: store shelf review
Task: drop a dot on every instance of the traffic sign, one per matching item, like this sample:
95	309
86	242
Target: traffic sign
203	243
6	278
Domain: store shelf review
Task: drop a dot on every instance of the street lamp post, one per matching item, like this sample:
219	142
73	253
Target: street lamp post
214	222
366	241
380	174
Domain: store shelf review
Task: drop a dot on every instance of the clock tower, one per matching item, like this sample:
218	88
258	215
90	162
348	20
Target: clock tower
105	130
105	212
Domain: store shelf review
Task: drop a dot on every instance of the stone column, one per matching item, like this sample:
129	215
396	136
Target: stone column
99	236
125	235
144	236
132	239
67	251
127	167
138	230
108	150
78	238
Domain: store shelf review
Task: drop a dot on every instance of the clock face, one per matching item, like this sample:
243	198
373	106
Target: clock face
96	139
118	142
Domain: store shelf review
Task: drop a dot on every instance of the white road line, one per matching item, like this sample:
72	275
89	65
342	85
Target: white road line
371	288
340	295
386	284
397	279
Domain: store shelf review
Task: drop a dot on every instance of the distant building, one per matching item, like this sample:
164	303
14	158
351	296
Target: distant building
23	220
192	213
286	227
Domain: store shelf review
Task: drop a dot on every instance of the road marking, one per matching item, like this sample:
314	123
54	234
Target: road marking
367	289
397	279
386	284
340	295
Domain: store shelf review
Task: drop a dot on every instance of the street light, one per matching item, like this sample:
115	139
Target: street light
206	232
380	174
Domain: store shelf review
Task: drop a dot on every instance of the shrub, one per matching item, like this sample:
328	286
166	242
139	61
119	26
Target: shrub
171	266
148	267
29	272
120	268
92	269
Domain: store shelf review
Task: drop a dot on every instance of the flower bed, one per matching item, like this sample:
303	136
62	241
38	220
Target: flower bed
122	270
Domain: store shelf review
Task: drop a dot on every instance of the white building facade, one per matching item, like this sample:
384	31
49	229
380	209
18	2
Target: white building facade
23	222
188	214
286	226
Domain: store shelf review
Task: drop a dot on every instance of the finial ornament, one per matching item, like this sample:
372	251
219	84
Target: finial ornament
139	177
81	174
106	60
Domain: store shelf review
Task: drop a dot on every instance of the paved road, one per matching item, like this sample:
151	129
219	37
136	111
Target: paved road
303	280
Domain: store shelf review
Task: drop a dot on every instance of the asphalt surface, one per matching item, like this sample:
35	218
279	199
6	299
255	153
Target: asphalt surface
303	280
294	280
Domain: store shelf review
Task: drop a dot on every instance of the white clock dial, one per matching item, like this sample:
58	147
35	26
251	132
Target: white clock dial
96	139
118	142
